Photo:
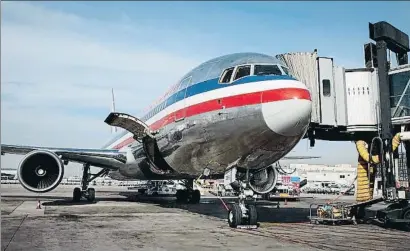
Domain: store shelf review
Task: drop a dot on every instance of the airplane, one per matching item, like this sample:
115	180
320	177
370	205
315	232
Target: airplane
241	112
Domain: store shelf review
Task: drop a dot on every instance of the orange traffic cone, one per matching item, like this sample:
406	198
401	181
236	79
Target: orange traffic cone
38	205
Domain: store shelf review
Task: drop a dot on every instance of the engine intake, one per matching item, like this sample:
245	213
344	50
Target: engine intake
40	171
263	181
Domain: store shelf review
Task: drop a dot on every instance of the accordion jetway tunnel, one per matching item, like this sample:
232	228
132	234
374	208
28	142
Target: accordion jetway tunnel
369	106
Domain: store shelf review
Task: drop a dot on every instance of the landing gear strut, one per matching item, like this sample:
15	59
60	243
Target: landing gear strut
85	191
241	213
190	195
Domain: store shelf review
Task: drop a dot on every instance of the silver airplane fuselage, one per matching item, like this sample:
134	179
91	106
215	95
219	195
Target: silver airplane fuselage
250	122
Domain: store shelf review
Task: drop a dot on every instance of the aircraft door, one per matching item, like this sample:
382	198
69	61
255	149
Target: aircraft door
327	93
181	96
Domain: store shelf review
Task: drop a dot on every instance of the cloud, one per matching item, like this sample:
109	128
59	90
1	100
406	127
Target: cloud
51	64
58	70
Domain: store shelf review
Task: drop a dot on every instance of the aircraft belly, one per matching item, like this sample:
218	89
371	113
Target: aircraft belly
117	175
217	139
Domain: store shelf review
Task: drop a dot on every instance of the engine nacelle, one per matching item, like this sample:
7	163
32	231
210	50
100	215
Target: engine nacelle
263	181
40	171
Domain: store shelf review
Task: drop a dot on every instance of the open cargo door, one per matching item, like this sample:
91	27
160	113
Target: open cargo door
141	133
135	126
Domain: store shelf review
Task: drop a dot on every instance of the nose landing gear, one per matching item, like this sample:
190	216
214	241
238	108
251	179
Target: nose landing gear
243	215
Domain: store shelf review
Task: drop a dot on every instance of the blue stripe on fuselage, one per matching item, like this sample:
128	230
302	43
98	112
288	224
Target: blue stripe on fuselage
208	85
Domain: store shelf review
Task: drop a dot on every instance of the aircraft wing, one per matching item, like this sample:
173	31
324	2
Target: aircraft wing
111	159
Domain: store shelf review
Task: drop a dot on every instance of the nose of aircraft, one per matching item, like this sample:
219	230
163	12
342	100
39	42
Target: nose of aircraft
289	113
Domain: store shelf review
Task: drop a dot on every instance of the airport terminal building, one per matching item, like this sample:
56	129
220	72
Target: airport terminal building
343	174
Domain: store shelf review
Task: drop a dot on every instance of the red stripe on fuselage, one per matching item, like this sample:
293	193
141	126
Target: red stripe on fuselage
227	102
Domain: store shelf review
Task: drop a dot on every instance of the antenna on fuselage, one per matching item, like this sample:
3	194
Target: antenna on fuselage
113	128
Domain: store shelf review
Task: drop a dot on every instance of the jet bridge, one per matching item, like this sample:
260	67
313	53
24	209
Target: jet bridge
370	106
345	101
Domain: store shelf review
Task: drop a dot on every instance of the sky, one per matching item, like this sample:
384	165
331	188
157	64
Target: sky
59	60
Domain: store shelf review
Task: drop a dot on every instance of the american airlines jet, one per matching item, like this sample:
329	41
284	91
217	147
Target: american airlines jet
240	112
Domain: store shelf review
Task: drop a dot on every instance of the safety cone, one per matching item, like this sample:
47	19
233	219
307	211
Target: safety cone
286	201
38	205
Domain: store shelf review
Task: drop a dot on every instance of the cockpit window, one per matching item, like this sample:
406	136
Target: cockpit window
226	76
242	71
285	70
185	83
267	70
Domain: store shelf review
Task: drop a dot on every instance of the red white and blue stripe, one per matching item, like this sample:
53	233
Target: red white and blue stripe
211	95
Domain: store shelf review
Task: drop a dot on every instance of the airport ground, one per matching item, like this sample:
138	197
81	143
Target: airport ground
119	220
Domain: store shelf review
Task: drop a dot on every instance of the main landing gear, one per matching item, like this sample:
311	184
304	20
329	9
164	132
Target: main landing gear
190	195
241	214
85	191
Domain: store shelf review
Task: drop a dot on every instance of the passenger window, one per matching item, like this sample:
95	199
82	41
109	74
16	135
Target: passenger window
326	87
226	76
242	71
267	70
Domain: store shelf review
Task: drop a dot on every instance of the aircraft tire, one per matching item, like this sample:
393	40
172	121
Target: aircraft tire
235	216
182	196
406	215
252	215
195	197
77	194
91	194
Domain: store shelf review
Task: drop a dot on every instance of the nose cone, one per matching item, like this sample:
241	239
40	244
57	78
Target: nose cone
289	114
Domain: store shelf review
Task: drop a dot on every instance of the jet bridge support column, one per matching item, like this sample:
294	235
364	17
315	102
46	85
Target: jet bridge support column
387	37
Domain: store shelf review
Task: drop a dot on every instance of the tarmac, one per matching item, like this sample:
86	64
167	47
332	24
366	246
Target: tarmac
119	220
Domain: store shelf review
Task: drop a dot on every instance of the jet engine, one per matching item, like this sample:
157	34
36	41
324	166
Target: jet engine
40	171
264	180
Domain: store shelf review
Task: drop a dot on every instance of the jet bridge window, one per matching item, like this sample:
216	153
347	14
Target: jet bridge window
398	84
326	87
242	71
226	76
261	70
